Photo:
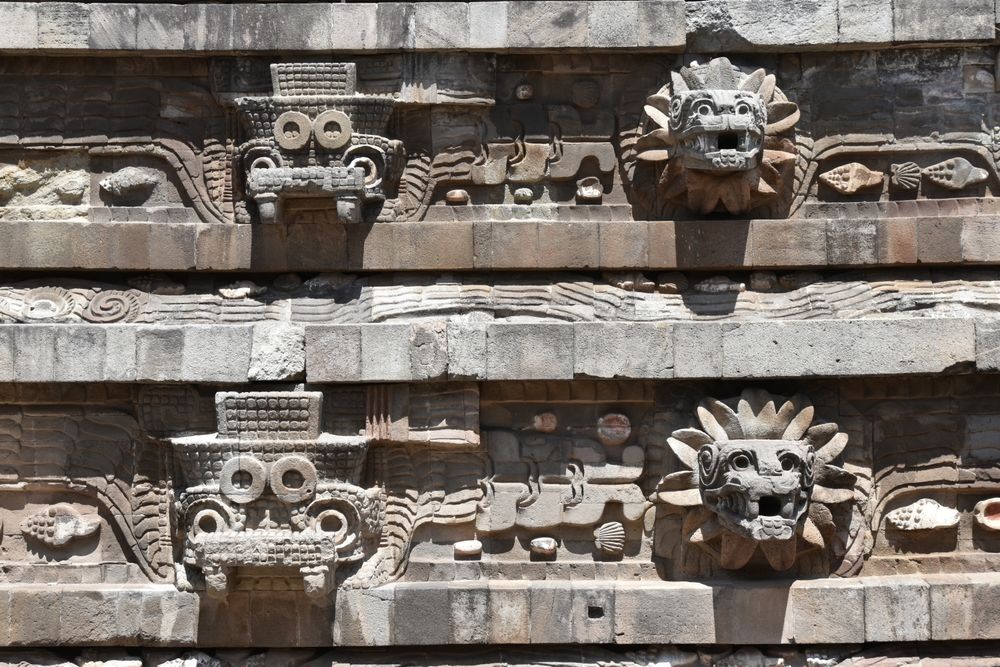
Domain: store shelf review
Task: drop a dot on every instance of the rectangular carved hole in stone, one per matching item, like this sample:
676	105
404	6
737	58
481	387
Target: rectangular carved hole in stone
594	611
770	506
729	140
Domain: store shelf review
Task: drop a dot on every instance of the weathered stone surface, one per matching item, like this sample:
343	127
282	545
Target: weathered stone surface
278	352
927	21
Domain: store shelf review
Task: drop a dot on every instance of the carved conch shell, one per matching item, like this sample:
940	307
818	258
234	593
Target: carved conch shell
610	538
849	178
955	173
59	524
53	304
987	513
905	175
924	514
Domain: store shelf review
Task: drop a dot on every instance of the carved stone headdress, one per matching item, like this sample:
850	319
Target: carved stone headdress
719	131
759	475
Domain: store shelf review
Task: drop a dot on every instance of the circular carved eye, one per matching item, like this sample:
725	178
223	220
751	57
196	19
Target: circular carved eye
704	109
740	461
242	479
293	478
332	129
789	462
292	130
742	109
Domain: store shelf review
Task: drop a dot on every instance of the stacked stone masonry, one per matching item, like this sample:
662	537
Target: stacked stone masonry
600	334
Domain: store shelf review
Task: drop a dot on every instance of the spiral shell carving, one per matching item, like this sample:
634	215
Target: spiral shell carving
52	304
112	306
59	524
610	538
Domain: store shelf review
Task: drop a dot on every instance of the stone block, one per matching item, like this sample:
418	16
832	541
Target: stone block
865	22
613	24
432	246
748	25
353	26
664	613
540	24
159	353
88	616
223	247
622	244
789	242
385	352
964	606
851	242
162	27
897	609
364	617
309	30
278	351
21	23
980	242
766	603
274	617
626	350
550	623
856	347
5	625
441	25
662	24
593	611
826	611
957	20
120	353
63	25
466	348
395	25
470	612
698	349
202	361
662	249
7	352
208	27
523	351
333	353
428	350
34	615
113	26
515	245
897	241
568	245
939	240
422	615
509	612
59	353
987	346
488	25
255	26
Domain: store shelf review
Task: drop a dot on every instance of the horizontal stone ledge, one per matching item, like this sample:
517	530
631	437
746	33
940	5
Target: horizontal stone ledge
697	245
647	25
640	350
105	614
344	27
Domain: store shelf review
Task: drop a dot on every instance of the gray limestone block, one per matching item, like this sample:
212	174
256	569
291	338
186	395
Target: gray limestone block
120	353
466	349
202	361
428	350
488	25
897	609
256	26
540	24
613	24
395	25
21	26
857	347
509	612
517	351
385	352
662	24
353	26
550	622
767	603
697	349
987	345
208	27
662	613
441	25
470	612
63	25
7	366
750	25
162	27
965	606
364	616
632	349
826	611
159	353
5	626
593	612
956	20
278	351
865	22
113	26
422	614
58	353
310	29
34	615
333	353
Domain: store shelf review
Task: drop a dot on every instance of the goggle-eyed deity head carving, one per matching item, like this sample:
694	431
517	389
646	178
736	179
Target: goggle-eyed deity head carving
718	130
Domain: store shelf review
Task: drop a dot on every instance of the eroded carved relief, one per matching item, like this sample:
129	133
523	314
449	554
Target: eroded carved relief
269	490
316	140
721	139
759	478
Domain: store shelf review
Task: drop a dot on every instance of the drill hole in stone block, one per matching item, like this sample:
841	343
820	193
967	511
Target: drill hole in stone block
594	611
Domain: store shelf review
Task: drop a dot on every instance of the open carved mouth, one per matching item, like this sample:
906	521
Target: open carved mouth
729	150
764	517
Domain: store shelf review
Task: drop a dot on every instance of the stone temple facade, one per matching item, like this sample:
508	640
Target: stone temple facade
594	334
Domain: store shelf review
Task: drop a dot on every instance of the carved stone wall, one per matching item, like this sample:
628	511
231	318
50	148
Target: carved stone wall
609	334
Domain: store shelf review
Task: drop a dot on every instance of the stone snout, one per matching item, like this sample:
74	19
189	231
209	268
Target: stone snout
760	489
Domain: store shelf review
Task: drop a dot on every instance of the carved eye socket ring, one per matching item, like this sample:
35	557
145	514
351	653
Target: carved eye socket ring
332	129
293	478
742	109
740	461
242	479
789	462
292	130
704	109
